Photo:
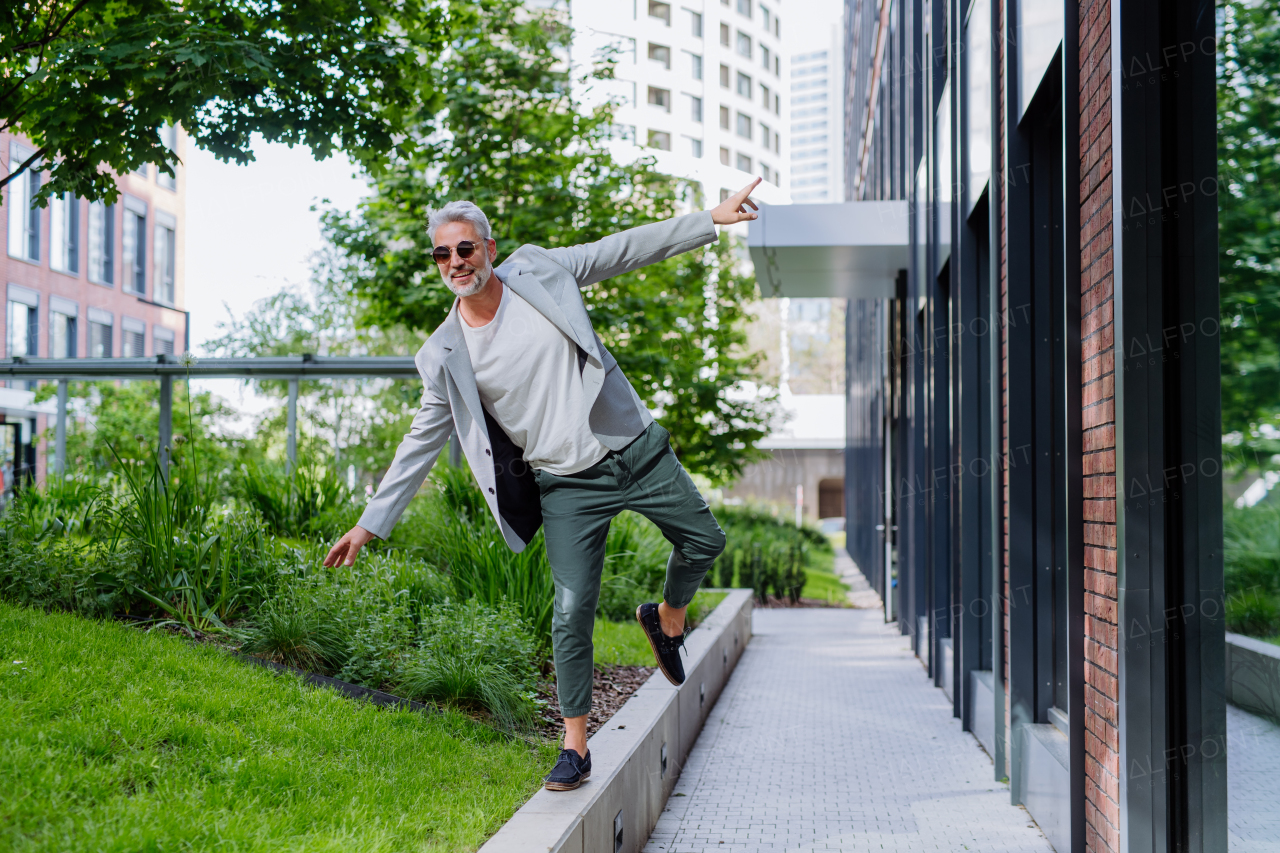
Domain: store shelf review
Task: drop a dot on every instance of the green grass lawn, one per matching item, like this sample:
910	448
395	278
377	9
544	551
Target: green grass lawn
822	582
624	643
115	740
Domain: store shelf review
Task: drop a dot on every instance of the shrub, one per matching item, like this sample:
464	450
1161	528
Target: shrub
472	654
1253	612
765	554
309	501
1251	539
291	629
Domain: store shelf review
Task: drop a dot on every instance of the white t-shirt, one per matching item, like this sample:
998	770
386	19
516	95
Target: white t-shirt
527	374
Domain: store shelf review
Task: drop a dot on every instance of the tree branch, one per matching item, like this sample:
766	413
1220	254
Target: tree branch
15	173
44	42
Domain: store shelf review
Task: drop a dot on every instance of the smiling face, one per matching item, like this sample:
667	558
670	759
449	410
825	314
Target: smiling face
466	277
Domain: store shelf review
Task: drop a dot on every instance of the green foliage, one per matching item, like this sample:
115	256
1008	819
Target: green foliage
515	142
308	501
1253	612
1251	548
1249	225
89	83
117	739
290	629
764	553
456	531
475	655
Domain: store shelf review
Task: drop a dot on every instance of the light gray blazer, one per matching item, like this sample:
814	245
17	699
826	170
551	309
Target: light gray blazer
549	280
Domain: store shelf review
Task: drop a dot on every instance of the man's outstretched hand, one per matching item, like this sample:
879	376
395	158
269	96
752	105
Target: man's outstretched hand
348	546
734	208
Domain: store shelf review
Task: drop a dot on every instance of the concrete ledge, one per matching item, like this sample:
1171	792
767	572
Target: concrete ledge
983	724
636	758
1046	773
1253	675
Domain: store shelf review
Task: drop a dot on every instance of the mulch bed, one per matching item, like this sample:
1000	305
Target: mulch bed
613	687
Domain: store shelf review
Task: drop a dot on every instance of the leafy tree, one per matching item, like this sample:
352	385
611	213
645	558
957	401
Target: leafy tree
1249	224
513	139
361	419
90	81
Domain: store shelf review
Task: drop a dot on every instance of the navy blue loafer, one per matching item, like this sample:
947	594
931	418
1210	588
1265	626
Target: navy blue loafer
665	649
571	770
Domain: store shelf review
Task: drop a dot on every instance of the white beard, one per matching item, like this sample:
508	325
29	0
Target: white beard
478	281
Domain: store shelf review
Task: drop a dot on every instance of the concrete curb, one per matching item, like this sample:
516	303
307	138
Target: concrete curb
636	758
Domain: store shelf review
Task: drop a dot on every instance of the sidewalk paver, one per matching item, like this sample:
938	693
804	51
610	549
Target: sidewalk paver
1253	783
829	736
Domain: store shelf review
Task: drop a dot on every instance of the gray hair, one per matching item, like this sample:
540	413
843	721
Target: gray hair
458	211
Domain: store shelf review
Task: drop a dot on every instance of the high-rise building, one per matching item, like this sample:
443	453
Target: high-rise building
817	113
699	86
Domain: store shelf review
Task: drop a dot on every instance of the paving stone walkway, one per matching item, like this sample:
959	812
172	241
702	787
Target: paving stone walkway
829	736
1253	783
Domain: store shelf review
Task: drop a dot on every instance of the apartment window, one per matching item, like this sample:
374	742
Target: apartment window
695	148
744	126
764	16
765	172
777	104
169	137
695	108
133	337
64	233
744	7
100	328
695	24
777	27
764	135
23	325
102	243
744	85
143	171
165	252
777	66
24	217
724	117
661	54
765	100
660	98
765	61
724	76
777	144
661	11
744	44
744	163
162	340
660	139
724	194
134	240
724	160
724	34
63	314
695	66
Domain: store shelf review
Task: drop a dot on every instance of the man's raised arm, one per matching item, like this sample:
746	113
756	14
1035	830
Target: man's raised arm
637	247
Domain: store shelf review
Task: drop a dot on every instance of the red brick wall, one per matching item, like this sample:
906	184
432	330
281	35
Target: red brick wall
1102	755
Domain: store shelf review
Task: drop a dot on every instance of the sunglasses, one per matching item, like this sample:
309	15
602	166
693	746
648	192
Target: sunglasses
465	249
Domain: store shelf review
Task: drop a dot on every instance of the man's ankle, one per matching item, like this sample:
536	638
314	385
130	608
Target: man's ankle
671	619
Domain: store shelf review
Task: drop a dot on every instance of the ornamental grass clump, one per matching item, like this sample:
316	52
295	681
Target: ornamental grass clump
478	656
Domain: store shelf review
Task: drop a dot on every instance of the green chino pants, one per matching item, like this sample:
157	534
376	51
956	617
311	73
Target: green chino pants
644	477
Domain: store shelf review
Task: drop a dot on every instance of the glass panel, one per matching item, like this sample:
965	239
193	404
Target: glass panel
1039	32
99	340
946	179
977	47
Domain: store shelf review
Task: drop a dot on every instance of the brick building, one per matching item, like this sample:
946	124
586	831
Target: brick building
87	280
1029	244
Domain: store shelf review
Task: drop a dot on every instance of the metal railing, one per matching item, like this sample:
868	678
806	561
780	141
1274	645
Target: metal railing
166	368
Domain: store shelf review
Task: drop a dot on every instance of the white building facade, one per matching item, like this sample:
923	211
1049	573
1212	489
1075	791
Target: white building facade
817	120
699	85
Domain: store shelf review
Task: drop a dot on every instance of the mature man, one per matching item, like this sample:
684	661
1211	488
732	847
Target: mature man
554	433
